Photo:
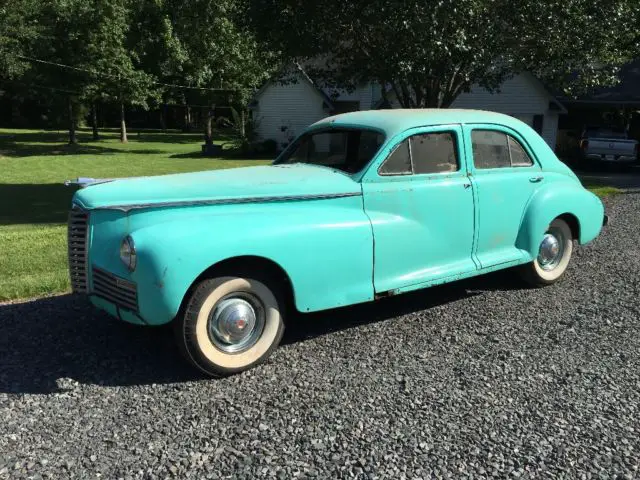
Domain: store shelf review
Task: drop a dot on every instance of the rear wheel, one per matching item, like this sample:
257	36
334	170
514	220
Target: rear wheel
554	254
230	324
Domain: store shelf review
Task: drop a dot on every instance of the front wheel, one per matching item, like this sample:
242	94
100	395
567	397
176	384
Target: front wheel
230	324
554	254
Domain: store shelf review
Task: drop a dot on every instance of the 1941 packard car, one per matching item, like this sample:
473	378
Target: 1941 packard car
360	206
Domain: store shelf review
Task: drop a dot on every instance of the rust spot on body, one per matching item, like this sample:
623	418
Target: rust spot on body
160	282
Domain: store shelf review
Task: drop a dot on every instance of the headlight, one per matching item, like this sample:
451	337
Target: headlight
128	253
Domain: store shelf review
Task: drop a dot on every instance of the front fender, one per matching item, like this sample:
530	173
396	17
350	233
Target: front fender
325	248
555	200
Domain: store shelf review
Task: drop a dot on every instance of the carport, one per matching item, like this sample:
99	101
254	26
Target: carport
617	106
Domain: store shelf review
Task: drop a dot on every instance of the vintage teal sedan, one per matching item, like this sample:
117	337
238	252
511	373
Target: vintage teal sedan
360	206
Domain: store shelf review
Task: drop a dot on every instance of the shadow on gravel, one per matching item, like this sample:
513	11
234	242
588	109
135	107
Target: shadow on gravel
313	325
46	342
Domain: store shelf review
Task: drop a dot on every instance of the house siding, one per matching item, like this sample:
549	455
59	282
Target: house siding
296	106
291	107
521	97
550	129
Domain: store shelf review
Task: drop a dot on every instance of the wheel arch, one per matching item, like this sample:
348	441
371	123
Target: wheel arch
243	265
573	222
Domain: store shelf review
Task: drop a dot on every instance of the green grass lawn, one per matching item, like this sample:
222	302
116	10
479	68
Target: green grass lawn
34	202
603	190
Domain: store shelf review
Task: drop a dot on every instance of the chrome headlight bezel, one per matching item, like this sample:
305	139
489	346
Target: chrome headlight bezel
128	253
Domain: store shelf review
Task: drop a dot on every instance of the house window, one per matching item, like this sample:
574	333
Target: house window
493	149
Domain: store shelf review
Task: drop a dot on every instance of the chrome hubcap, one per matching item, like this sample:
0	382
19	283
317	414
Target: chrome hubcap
236	322
551	250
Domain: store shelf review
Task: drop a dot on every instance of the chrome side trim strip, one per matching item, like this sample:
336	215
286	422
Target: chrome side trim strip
228	201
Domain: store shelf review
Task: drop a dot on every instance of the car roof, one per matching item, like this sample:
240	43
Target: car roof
396	121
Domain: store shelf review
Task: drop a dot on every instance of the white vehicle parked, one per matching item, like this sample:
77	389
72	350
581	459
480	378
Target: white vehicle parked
608	145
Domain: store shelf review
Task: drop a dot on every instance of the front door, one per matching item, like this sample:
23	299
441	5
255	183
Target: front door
505	175
421	206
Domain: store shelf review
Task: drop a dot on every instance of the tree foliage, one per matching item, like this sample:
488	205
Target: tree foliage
133	52
18	27
428	52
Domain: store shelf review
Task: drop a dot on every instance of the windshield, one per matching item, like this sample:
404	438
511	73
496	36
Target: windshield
348	150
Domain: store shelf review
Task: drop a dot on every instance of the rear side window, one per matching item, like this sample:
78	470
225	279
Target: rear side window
498	150
434	152
519	157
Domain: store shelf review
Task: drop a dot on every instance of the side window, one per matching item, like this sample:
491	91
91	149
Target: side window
434	153
423	153
519	157
399	162
490	149
498	150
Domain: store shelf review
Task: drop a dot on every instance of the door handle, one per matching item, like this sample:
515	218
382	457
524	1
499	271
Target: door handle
536	179
467	185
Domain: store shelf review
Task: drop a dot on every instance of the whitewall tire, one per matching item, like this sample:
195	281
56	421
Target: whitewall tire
230	324
554	254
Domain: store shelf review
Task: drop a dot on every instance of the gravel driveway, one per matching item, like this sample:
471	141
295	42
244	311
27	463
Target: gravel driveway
475	379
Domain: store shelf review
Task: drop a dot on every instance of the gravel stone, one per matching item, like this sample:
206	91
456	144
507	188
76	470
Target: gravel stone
476	379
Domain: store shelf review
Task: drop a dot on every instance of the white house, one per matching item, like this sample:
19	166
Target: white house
282	111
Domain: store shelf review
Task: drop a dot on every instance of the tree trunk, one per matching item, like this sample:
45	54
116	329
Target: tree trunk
123	124
208	131
94	121
243	131
185	128
163	119
73	139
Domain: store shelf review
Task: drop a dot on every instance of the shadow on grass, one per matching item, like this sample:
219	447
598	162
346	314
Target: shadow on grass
9	149
34	203
228	154
49	339
177	138
85	136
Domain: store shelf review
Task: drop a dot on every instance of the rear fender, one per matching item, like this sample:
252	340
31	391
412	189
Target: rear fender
551	202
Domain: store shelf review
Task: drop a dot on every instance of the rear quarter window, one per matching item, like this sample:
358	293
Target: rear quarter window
493	149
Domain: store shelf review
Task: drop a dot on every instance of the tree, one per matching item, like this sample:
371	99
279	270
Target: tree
59	53
112	67
81	52
18	27
429	52
220	57
576	45
154	41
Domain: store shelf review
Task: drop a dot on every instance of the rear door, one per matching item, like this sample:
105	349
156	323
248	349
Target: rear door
505	174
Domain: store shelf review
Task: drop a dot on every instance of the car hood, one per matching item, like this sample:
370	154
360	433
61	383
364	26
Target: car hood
248	184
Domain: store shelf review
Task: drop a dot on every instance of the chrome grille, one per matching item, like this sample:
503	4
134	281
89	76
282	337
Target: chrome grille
114	289
77	243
